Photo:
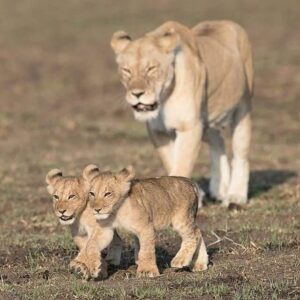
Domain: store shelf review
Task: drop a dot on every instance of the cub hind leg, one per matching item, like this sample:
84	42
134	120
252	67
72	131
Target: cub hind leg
200	259
190	234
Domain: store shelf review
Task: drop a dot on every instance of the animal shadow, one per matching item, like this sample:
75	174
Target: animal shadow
260	182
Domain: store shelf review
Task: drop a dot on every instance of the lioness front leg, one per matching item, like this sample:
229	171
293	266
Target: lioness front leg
164	144
146	257
186	147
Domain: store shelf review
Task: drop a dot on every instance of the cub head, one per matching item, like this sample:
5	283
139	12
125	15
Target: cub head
107	190
69	196
146	67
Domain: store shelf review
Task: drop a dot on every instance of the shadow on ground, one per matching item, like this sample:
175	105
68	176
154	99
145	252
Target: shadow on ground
260	181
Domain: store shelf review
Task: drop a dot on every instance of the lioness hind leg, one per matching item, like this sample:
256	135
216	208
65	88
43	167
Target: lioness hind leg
190	235
200	259
220	170
238	188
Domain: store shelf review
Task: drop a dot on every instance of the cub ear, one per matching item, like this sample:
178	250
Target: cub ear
119	41
51	178
126	174
90	172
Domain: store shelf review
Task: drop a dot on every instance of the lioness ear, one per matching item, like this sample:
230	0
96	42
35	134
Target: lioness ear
90	172
169	41
126	174
167	38
120	41
51	178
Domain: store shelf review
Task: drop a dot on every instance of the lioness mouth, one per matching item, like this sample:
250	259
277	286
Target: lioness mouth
145	107
66	218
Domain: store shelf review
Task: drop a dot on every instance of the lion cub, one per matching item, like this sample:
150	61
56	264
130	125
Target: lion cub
143	206
70	206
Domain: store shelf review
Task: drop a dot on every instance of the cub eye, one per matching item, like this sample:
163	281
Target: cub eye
151	68
92	194
107	194
71	197
126	71
55	197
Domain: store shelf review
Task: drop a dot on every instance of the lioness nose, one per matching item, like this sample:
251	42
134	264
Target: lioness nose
138	93
62	211
97	209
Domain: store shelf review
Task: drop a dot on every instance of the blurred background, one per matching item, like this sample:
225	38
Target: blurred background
62	105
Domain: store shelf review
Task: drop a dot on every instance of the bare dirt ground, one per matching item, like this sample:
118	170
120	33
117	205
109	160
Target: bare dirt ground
61	105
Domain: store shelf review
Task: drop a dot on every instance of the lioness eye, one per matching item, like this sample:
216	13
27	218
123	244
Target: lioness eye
92	194
55	197
71	197
107	194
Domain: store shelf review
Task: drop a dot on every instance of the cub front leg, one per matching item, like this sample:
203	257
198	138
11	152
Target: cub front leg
114	250
77	265
90	255
99	240
80	269
146	257
186	148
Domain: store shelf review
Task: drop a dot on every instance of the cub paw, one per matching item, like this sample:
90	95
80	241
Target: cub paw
179	262
99	270
147	271
79	269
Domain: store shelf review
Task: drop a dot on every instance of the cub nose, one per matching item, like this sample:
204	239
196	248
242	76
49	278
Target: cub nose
97	210
138	93
62	211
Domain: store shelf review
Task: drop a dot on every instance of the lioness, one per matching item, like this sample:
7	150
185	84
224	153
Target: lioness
143	206
187	84
70	196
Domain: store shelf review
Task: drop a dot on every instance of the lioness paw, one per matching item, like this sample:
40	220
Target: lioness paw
199	267
236	199
79	269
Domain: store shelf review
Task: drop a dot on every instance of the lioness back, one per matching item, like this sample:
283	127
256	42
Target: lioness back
226	52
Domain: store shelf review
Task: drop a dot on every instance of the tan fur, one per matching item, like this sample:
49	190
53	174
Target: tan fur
187	84
144	206
70	195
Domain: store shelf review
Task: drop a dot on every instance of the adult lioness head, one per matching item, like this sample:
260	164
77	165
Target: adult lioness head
106	189
69	196
146	68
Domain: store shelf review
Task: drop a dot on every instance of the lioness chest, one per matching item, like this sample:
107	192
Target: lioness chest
175	115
